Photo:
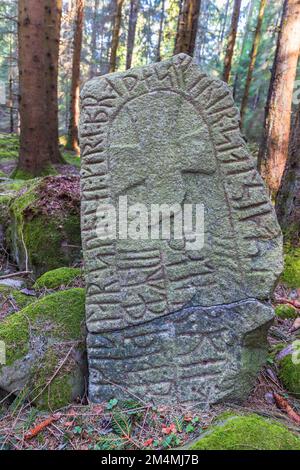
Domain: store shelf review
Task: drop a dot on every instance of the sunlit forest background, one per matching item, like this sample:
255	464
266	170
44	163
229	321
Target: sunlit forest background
212	34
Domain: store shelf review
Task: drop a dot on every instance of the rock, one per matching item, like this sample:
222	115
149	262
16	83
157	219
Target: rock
44	225
169	317
13	283
38	340
289	367
286	311
57	278
291	274
247	432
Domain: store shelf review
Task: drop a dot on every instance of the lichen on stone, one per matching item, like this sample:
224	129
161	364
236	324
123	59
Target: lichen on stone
247	432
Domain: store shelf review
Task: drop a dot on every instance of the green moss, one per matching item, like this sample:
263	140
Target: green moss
59	391
57	277
286	311
249	432
71	158
9	147
20	174
20	299
289	374
60	314
291	274
47	237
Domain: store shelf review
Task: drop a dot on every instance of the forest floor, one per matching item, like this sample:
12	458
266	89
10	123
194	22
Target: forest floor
136	424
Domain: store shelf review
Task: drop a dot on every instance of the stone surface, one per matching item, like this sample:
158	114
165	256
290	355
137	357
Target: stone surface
44	350
169	134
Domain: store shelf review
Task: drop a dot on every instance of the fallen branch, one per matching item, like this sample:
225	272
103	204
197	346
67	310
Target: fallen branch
19	273
284	405
39	427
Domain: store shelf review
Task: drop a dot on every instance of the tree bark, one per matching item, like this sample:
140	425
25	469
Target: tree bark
134	8
53	12
160	32
187	27
231	40
93	65
34	158
274	148
73	141
288	197
253	56
116	34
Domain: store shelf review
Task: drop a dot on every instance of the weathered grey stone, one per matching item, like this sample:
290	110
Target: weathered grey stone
167	134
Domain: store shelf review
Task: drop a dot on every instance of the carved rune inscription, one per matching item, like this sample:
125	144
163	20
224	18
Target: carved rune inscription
169	134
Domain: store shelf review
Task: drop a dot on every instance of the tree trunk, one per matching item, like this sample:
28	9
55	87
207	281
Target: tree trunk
231	40
288	197
160	32
274	148
187	27
73	141
222	31
134	7
115	34
93	65
53	11
34	158
253	56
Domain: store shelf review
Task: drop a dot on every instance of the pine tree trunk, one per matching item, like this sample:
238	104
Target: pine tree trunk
288	197
160	32
134	7
116	34
187	27
34	158
231	40
274	148
253	56
53	11
93	65
73	141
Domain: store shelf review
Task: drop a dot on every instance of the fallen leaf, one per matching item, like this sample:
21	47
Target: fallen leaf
149	442
169	429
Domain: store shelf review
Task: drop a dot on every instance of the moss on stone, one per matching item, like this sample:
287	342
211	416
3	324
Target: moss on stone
57	278
291	274
40	238
59	314
249	432
59	391
286	311
20	299
289	373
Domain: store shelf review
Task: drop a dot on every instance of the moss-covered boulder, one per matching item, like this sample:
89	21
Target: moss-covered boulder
286	312
247	432
291	274
44	224
289	367
57	278
45	349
